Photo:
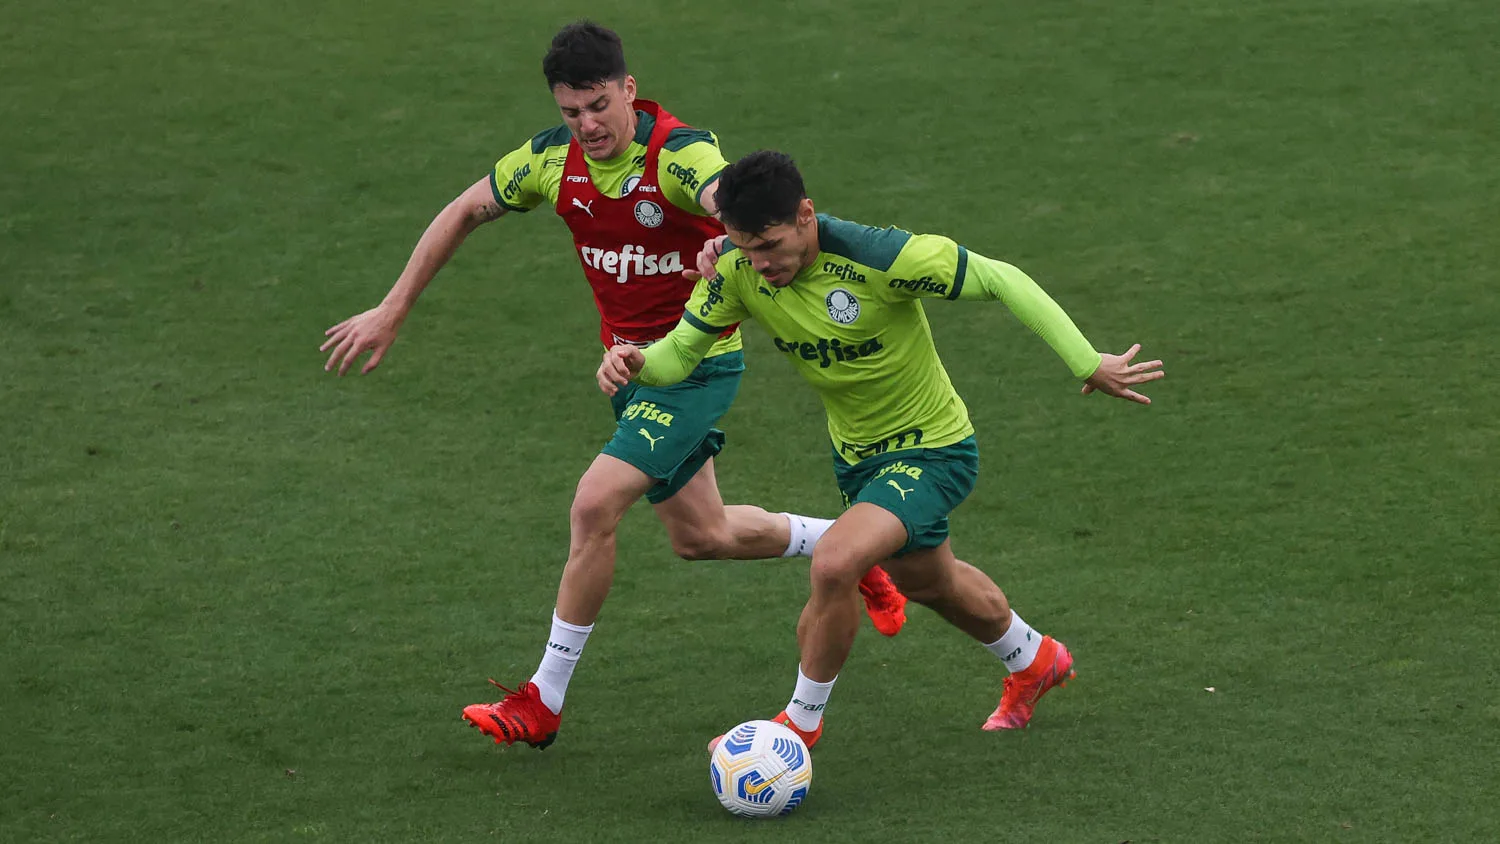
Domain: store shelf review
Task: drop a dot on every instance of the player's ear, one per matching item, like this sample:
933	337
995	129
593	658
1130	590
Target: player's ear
629	86
805	213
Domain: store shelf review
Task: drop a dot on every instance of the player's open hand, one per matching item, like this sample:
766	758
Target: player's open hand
1116	375
372	331
621	363
707	257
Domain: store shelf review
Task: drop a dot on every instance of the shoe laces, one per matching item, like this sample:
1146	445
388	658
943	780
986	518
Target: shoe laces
1026	692
509	692
517	705
517	711
1009	686
1015	694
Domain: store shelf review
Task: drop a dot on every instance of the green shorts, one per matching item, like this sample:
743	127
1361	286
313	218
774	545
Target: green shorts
668	432
920	486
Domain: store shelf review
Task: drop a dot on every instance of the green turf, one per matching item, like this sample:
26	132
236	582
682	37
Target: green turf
243	601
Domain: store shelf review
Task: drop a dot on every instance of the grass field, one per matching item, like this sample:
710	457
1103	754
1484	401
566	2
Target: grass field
241	600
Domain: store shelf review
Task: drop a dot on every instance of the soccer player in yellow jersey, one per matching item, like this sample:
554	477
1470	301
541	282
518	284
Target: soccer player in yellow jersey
842	302
636	188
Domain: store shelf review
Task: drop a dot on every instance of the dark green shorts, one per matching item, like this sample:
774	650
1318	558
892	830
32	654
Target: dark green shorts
920	486
668	432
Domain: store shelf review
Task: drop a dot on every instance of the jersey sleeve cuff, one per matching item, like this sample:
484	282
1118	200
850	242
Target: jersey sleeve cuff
1087	364
703	187
958	274
699	324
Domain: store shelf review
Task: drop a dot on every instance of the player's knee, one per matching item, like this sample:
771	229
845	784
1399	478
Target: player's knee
835	571
594	511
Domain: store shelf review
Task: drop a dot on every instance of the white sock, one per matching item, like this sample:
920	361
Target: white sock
806	708
806	531
564	647
1018	647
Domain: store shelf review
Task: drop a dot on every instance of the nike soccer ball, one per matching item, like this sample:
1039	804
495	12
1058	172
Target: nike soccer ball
761	769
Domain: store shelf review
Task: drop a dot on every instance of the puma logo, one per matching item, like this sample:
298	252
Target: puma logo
900	490
586	209
653	440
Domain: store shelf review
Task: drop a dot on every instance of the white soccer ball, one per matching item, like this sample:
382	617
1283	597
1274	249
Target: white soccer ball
761	769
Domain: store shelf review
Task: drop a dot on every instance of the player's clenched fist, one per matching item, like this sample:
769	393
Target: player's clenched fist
621	363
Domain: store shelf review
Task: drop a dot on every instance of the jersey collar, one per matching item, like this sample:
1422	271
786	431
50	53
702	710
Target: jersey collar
644	124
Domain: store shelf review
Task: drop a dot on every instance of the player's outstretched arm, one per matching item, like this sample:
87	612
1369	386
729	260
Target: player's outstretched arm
1113	375
375	330
1116	375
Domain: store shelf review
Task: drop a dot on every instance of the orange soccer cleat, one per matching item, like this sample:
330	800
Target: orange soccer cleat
883	601
519	716
1053	666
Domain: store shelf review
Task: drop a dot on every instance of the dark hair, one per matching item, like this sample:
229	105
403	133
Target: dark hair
584	54
759	191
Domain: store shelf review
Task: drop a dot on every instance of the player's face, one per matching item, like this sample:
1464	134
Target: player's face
601	117
783	250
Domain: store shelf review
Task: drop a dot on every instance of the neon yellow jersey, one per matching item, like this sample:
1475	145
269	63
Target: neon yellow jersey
853	326
689	162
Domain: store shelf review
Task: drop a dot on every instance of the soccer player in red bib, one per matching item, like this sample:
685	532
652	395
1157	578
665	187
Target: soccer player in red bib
636	186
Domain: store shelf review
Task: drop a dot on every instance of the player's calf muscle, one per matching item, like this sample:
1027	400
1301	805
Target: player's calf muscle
754	532
969	600
925	585
694	543
705	531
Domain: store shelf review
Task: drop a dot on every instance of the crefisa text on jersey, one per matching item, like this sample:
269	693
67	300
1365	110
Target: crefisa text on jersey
630	261
845	272
925	284
826	350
